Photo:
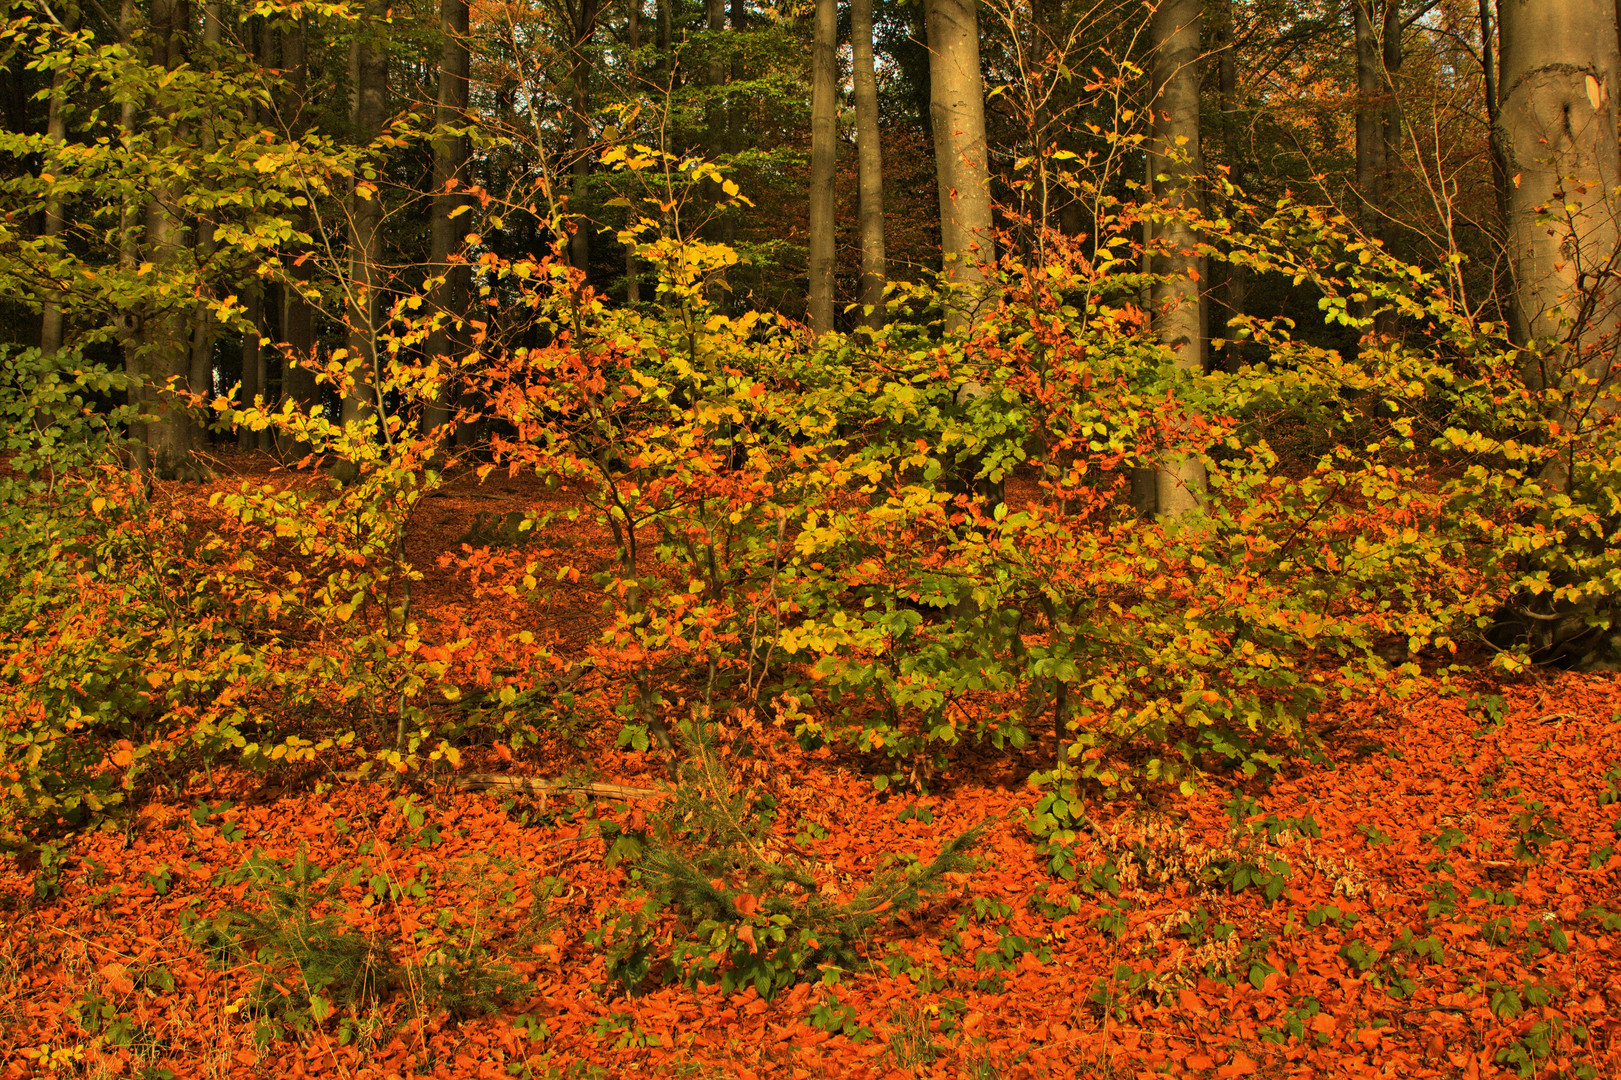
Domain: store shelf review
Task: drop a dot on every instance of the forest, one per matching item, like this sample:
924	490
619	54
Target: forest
901	538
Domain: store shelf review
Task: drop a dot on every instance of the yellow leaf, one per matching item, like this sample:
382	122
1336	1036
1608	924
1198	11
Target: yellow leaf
96	504
1594	94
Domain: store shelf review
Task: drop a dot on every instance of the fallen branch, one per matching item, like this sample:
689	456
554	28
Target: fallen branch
526	785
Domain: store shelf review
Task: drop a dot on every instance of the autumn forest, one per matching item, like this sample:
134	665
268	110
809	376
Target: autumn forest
1004	539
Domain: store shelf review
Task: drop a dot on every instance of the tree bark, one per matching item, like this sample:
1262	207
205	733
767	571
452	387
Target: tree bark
1560	61
1235	277
824	150
1176	163
716	137
51	322
957	112
585	25
202	331
297	318
1370	121
165	330
870	167
450	155
131	213
368	109
253	362
633	41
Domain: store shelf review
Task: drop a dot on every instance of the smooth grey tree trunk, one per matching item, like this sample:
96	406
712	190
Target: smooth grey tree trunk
585	26
450	155
1558	128
870	167
1370	121
1176	164
1235	276
368	110
957	112
165	330
633	41
297	317
823	163
52	319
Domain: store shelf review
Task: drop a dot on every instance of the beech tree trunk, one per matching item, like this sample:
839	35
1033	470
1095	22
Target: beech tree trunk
252	360
585	25
870	167
633	40
202	331
1558	128
1370	120
131	213
51	322
824	151
957	111
1235	277
166	339
1175	163
297	318
450	154
369	76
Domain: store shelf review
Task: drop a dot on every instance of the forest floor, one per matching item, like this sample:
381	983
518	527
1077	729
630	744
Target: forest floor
1432	896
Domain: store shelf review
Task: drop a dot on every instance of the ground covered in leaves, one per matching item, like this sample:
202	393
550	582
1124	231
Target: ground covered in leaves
1433	893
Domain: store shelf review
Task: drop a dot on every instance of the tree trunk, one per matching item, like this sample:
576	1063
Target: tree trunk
202	331
51	321
165	330
1370	121
957	112
369	77
1176	163
1235	277
633	40
870	166
1559	133
252	361
297	318
130	215
716	137
1394	118
450	154
585	25
824	150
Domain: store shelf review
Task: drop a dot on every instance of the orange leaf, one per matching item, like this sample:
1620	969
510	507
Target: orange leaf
118	979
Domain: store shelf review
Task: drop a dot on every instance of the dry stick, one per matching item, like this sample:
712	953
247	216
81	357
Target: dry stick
529	785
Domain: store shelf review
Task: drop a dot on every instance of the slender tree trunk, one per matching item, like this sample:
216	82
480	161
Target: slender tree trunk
1391	49
1370	121
51	316
1489	53
131	214
633	40
297	318
165	330
450	154
957	112
870	167
202	331
585	26
252	361
1176	164
716	139
1559	131
1235	277
369	77
824	150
